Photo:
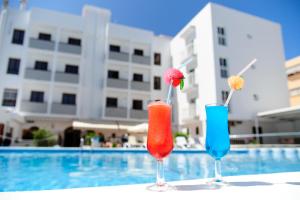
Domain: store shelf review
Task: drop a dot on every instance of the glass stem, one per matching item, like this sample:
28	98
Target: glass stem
218	175
160	177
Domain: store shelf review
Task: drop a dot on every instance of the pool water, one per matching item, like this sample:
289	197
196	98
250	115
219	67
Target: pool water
43	170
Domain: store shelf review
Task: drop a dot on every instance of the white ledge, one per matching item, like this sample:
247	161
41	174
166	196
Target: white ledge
259	187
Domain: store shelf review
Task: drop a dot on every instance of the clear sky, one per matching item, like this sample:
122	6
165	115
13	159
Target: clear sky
169	16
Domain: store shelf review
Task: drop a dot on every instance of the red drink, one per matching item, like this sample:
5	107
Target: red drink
160	139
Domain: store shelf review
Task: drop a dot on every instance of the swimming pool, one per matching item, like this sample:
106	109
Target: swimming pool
23	170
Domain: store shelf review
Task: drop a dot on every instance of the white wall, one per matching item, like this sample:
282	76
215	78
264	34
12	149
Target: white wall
268	79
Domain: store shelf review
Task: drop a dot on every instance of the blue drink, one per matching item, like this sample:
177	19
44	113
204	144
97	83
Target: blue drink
217	137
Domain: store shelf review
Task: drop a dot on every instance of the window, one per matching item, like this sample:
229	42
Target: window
223	62
197	130
224	95
74	41
13	66
137	104
224	73
18	36
41	65
9	97
192	101
138	77
71	69
249	36
255	97
157	83
223	67
113	74
114	48
221	31
138	52
44	36
221	36
37	96
222	41
111	102
69	99
157	59
224	98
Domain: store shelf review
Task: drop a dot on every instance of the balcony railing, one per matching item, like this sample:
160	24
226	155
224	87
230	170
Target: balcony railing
66	77
120	56
138	114
37	74
64	109
190	62
190	82
41	44
293	70
117	83
69	48
142	86
144	60
33	107
117	112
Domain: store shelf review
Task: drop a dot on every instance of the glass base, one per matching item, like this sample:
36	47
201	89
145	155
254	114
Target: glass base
160	188
217	183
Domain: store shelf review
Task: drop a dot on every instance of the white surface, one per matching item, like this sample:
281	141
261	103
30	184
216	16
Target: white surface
265	187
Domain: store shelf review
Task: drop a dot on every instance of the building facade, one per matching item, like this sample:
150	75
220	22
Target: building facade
58	67
293	73
219	42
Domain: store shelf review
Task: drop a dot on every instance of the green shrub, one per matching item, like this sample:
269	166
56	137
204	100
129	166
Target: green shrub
181	134
43	138
88	137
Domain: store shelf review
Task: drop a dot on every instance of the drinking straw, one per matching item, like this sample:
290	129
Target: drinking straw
229	97
247	67
169	93
240	74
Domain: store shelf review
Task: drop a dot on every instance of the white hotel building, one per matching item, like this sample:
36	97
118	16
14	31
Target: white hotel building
58	67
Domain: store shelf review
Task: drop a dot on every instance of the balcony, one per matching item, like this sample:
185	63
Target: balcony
293	70
190	62
120	56
33	107
41	44
64	109
190	83
37	74
69	48
138	114
142	86
144	60
118	112
190	114
66	77
117	83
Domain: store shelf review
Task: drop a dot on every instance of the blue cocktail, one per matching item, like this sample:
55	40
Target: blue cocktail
217	136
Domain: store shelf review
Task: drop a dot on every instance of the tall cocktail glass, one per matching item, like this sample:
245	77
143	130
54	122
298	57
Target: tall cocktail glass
217	137
160	139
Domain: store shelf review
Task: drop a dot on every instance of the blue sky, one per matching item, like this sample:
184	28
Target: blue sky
169	16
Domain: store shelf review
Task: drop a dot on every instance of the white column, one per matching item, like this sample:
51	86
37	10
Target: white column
129	99
256	124
54	61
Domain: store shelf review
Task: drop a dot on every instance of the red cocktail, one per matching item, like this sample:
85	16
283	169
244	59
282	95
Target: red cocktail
160	139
